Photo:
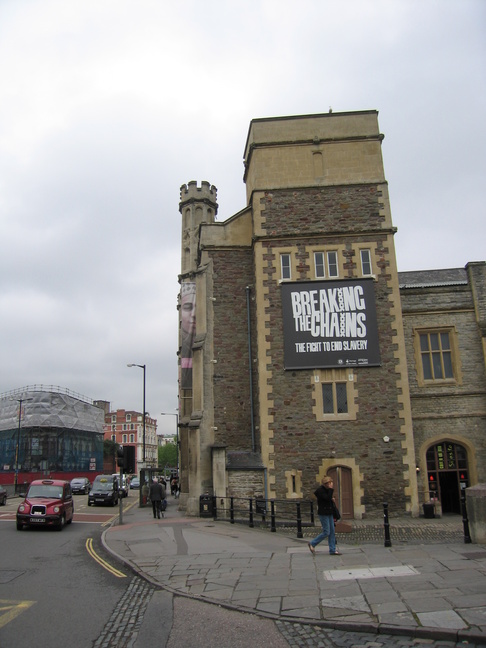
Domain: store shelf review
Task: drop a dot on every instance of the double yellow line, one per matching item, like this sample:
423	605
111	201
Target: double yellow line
100	561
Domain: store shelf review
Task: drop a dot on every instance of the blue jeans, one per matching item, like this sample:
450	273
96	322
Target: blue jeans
327	523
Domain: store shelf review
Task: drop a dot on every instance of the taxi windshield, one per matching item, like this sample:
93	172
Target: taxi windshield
44	490
104	485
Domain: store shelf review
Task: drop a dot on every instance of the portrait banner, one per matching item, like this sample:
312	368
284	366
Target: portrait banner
188	331
330	324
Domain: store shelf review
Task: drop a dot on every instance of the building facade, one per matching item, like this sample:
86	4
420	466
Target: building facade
444	315
125	427
296	356
49	431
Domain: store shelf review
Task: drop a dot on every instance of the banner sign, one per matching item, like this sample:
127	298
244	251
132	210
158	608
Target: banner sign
330	324
188	331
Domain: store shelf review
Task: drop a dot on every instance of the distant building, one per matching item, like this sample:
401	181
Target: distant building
303	351
49	431
125	427
164	439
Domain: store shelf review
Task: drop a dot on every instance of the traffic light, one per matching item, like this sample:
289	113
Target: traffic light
129	459
125	458
120	457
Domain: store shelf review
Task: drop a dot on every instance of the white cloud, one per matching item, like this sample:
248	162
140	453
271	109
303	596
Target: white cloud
108	107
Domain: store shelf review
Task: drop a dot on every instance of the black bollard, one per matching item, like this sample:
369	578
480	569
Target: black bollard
272	516
386	525
232	510
251	513
299	522
465	520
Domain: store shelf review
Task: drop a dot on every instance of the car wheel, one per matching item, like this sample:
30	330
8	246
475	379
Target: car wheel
4	500
62	522
20	526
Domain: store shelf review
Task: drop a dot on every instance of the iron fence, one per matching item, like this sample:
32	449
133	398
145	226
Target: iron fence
259	512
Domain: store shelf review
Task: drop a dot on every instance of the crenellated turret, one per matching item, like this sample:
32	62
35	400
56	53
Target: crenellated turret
197	205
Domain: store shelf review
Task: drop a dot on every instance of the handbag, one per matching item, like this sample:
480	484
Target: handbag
335	512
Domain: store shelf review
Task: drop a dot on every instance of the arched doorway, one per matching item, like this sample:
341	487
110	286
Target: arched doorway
343	490
447	474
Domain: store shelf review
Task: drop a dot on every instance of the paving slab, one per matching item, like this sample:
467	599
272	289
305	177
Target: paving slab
444	619
430	586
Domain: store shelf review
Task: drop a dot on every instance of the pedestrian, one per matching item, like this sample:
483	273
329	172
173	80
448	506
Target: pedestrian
325	511
156	494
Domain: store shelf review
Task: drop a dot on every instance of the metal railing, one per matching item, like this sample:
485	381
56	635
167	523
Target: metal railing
260	512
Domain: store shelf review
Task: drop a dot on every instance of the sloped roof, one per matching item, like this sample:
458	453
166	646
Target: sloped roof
432	278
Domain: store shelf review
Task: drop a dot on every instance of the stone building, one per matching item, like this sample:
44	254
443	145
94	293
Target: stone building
444	315
296	358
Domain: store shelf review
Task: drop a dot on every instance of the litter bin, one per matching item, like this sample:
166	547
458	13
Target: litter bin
206	506
429	511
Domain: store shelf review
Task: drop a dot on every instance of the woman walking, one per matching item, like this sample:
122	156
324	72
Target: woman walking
325	511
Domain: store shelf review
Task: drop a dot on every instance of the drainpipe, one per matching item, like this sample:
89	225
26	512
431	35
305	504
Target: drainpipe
250	369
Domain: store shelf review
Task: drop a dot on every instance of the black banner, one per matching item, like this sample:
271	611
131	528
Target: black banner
330	324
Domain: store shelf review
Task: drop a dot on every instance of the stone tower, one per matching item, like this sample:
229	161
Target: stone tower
198	207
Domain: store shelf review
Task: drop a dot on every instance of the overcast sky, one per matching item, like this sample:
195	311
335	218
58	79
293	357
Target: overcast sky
108	106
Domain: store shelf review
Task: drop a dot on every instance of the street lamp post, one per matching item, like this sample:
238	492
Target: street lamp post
177	436
17	446
143	415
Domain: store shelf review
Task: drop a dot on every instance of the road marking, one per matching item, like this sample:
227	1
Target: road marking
11	609
371	572
100	561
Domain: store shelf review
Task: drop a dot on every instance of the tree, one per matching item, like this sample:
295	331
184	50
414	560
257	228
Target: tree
167	455
109	452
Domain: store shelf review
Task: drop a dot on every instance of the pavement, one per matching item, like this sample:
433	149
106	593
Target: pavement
428	584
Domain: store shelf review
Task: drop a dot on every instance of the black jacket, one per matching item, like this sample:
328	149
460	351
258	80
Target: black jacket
157	492
324	500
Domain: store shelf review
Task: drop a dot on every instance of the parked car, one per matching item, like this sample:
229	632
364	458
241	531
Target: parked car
135	483
80	485
122	486
48	502
104	491
3	495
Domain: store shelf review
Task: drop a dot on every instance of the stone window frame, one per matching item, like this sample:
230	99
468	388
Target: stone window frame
367	250
326	249
293	480
333	376
293	263
455	358
284	267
